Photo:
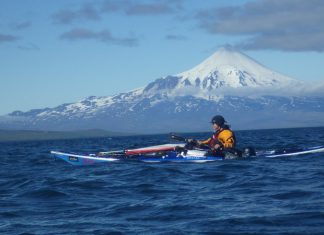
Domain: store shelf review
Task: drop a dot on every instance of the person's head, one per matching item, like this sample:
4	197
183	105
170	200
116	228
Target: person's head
218	122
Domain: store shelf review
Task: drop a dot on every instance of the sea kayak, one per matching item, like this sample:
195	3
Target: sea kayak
168	153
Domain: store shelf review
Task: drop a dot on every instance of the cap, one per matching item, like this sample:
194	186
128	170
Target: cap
219	120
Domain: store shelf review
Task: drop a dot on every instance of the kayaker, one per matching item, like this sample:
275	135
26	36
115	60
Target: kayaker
222	139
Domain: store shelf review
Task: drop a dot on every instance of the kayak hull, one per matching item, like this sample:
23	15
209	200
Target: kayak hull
170	156
145	155
292	152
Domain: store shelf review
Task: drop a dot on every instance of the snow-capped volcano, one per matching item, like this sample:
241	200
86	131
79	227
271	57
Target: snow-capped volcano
186	101
226	68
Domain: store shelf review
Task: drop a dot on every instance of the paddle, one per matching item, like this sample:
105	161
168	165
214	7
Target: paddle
151	149
178	138
190	143
144	150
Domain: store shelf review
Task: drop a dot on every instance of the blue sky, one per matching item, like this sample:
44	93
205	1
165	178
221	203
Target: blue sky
54	52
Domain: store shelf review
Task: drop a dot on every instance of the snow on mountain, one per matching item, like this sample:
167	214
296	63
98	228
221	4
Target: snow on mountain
227	83
229	67
226	69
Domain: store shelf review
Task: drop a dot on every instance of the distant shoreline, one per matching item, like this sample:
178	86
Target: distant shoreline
35	135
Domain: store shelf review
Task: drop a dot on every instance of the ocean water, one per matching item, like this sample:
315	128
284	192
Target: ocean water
41	195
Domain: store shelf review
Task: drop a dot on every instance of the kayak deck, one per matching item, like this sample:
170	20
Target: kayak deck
79	160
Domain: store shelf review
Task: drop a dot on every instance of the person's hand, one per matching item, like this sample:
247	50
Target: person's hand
190	140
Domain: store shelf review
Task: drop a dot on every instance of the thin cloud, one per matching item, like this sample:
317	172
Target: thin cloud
95	11
22	25
114	6
289	25
7	38
173	37
103	36
85	12
149	9
129	7
29	47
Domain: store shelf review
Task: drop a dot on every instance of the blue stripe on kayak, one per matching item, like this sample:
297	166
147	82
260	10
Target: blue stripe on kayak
180	159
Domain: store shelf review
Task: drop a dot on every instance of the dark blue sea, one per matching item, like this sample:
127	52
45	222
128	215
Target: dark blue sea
41	195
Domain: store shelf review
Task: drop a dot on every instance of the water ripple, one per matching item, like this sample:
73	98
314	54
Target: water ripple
40	195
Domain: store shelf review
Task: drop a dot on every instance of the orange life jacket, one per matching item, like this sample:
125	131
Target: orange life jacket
225	137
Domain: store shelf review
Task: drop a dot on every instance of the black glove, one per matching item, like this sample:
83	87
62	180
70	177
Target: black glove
191	144
179	149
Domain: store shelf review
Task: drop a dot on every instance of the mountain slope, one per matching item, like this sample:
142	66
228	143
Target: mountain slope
225	70
225	83
228	67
